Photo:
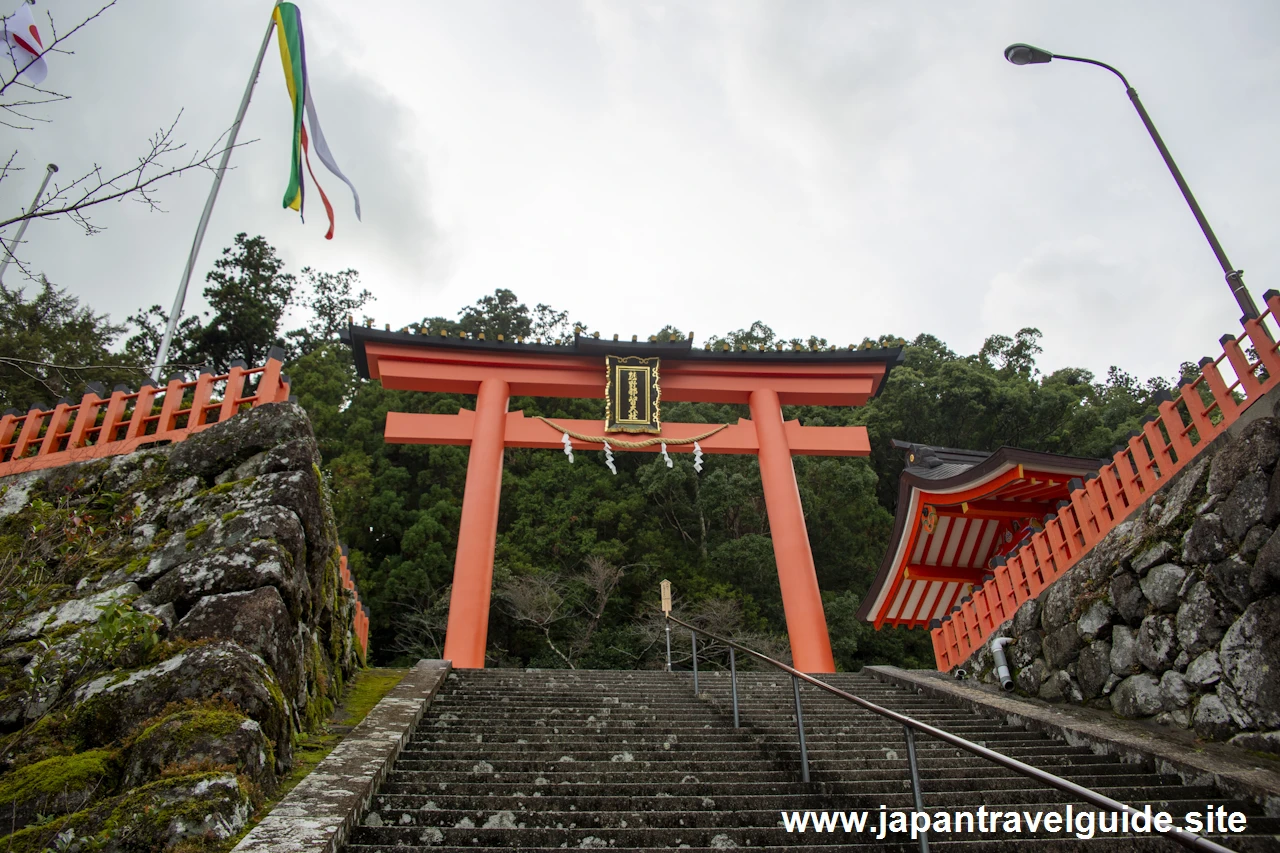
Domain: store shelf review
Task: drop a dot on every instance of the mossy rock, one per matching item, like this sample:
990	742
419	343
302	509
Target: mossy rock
196	531
108	708
211	806
259	621
58	785
209	453
228	487
77	477
213	733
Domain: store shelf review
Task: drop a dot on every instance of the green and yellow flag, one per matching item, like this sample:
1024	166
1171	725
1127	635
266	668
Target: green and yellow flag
293	55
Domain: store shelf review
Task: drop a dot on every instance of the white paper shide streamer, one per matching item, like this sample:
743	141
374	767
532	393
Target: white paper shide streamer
665	456
568	447
697	457
608	459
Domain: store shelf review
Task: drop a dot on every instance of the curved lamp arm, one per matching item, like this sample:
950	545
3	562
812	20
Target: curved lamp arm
1025	54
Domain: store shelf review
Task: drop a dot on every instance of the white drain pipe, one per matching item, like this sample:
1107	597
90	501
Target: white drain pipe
1002	663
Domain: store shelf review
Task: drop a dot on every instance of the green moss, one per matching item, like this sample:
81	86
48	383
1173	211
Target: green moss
235	513
279	706
143	816
45	739
62	631
206	721
61	773
137	564
166	649
35	839
196	531
228	487
367	690
94	721
150	800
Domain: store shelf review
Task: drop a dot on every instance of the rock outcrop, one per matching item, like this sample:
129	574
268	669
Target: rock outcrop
170	620
1174	615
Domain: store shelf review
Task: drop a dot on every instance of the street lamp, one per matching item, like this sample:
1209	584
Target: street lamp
1025	54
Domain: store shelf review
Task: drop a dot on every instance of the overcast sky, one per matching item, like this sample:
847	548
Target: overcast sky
844	169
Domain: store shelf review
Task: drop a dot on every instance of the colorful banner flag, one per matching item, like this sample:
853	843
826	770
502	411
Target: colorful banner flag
25	45
293	56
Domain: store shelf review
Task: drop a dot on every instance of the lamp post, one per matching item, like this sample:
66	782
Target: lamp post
1025	54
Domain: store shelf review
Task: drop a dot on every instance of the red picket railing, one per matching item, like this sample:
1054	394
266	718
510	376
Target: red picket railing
360	622
100	426
1185	425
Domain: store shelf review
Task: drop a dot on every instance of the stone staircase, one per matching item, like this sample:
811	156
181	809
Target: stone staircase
546	760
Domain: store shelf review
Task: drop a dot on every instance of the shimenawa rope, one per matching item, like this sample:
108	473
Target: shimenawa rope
631	445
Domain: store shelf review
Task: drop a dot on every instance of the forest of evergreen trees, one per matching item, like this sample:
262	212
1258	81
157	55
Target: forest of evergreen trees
580	551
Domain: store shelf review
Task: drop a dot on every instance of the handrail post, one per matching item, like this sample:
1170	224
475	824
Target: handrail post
668	643
694	635
804	750
915	783
733	681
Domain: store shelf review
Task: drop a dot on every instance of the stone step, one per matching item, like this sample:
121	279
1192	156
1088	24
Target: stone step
554	800
713	837
869	780
534	813
759	811
626	761
1128	844
517	739
656	725
748	716
427	786
605	751
695	782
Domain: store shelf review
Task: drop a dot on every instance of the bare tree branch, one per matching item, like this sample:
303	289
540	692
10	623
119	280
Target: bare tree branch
540	601
19	105
600	578
93	188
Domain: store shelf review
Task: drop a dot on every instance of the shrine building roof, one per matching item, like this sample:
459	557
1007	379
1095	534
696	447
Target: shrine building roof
958	512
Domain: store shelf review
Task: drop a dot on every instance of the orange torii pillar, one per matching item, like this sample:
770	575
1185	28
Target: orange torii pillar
801	598
468	627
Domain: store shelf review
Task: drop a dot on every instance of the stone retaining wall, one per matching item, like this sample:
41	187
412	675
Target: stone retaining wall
1175	615
170	620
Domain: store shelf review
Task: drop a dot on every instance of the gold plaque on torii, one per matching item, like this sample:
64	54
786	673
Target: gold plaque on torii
631	394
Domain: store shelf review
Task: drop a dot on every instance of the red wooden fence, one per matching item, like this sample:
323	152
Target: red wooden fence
100	426
1186	423
361	620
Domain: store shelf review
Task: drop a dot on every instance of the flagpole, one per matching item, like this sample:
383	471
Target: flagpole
22	229
163	353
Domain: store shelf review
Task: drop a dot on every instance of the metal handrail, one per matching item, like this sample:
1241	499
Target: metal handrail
1181	836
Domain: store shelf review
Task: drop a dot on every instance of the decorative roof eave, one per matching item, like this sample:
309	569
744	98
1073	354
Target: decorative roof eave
999	462
910	487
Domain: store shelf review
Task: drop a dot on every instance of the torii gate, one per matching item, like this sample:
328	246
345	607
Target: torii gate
494	370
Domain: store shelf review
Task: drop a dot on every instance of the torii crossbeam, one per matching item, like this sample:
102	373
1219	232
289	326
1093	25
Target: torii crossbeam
495	370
